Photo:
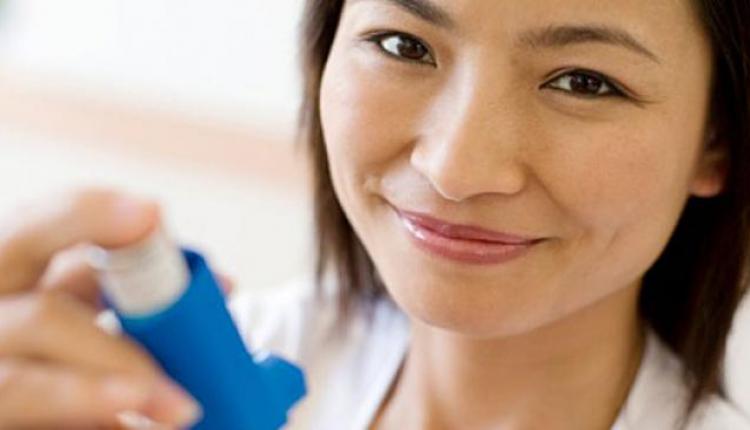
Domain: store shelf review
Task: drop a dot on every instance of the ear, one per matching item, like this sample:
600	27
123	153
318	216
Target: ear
710	175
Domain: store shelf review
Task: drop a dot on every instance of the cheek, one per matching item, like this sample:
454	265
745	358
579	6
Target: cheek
634	171
612	171
615	176
352	114
624	187
367	116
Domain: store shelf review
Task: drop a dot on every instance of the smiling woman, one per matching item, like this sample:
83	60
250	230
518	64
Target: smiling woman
534	214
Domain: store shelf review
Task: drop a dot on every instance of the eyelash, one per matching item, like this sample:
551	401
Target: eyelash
378	38
613	89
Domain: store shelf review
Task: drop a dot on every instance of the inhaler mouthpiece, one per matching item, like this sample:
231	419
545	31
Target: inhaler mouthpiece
144	278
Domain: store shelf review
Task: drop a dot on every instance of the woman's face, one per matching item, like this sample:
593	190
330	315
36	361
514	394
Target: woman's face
580	123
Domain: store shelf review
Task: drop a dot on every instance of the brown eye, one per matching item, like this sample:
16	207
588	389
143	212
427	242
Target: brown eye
403	47
585	84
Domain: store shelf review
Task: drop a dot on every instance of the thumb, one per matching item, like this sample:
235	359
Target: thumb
70	272
102	217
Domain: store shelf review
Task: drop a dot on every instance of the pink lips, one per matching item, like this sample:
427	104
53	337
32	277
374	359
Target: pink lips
463	243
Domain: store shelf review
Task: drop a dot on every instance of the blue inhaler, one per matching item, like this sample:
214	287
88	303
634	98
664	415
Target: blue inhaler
166	299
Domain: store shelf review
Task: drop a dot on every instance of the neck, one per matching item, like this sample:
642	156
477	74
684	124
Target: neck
573	373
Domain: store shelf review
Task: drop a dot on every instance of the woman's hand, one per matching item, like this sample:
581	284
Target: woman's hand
58	369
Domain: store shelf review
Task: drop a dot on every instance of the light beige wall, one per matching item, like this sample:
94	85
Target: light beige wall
240	194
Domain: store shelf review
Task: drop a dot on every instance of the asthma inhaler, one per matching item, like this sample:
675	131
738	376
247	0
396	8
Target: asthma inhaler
166	298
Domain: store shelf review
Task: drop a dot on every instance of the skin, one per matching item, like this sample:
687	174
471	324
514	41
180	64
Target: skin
484	131
58	369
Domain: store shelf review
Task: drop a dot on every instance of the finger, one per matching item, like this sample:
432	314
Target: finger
103	217
135	421
54	327
44	395
226	283
71	273
59	328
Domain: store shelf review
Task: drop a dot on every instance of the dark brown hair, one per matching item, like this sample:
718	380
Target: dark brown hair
689	296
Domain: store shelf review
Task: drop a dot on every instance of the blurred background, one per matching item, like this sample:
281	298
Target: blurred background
188	101
192	102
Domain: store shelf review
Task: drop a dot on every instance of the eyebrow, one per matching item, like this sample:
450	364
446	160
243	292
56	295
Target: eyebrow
563	35
554	36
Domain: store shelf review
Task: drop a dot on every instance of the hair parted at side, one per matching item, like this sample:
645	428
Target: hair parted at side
689	296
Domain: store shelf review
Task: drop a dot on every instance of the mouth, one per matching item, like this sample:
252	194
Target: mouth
463	243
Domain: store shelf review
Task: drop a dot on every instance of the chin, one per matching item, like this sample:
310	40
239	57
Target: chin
472	310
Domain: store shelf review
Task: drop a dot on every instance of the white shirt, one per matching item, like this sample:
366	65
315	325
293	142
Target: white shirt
349	372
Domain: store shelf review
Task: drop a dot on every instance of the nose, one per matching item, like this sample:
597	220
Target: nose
471	144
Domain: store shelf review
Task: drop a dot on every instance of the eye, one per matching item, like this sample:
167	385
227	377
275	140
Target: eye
585	84
403	47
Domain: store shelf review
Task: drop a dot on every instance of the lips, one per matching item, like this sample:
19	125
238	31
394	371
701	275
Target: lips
463	232
463	243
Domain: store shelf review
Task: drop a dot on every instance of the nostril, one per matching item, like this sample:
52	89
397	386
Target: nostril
440	177
435	174
458	178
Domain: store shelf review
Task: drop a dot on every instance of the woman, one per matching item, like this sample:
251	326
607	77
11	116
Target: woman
603	142
530	215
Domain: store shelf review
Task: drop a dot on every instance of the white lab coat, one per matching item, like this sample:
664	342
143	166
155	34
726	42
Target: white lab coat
349	373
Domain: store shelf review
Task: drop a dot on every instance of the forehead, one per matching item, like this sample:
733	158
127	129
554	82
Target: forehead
481	10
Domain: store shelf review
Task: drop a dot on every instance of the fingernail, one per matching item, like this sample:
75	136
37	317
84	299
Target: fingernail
186	410
131	206
120	391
